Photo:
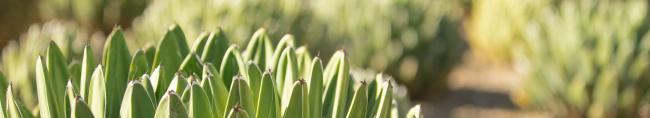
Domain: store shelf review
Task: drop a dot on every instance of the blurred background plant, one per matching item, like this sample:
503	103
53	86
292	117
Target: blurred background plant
93	14
18	55
577	58
400	37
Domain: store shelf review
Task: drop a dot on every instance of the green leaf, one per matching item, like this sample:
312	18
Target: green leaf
315	78
169	57
178	83
200	42
298	105
240	95
15	108
268	106
136	103
303	59
231	65
198	102
116	66
215	87
146	84
358	107
191	65
385	102
80	109
259	49
3	87
70	95
180	39
49	92
171	106
286	41
254	79
286	72
215	48
57	64
139	65
336	75
97	92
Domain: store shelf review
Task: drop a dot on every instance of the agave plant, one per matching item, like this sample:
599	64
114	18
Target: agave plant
418	41
211	79
584	58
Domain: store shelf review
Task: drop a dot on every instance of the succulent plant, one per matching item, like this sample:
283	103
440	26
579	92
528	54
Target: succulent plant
584	58
205	81
418	41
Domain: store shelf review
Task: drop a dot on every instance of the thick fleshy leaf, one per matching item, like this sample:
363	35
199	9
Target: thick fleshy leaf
237	112
359	106
87	67
303	59
179	83
171	106
50	92
136	103
15	108
385	102
231	65
180	39
215	88
259	49
315	79
146	84
116	61
286	41
97	93
80	109
267	106
415	112
298	105
169	57
57	64
215	48
254	79
286	72
198	102
200	42
139	65
191	65
336	92
240	94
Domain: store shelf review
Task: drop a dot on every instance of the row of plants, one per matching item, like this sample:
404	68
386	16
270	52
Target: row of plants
209	79
578	58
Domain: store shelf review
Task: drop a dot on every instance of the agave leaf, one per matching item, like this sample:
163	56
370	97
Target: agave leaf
146	84
237	112
180	39
415	112
298	105
170	106
97	92
169	58
259	49
214	85
191	65
139	65
178	83
3	87
70	94
385	102
374	94
303	58
116	61
80	109
57	65
267	107
286	72
200	42
358	107
240	95
136	103
254	79
315	79
286	41
49	91
231	65
75	72
197	99
15	108
336	91
150	54
87	66
215	48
